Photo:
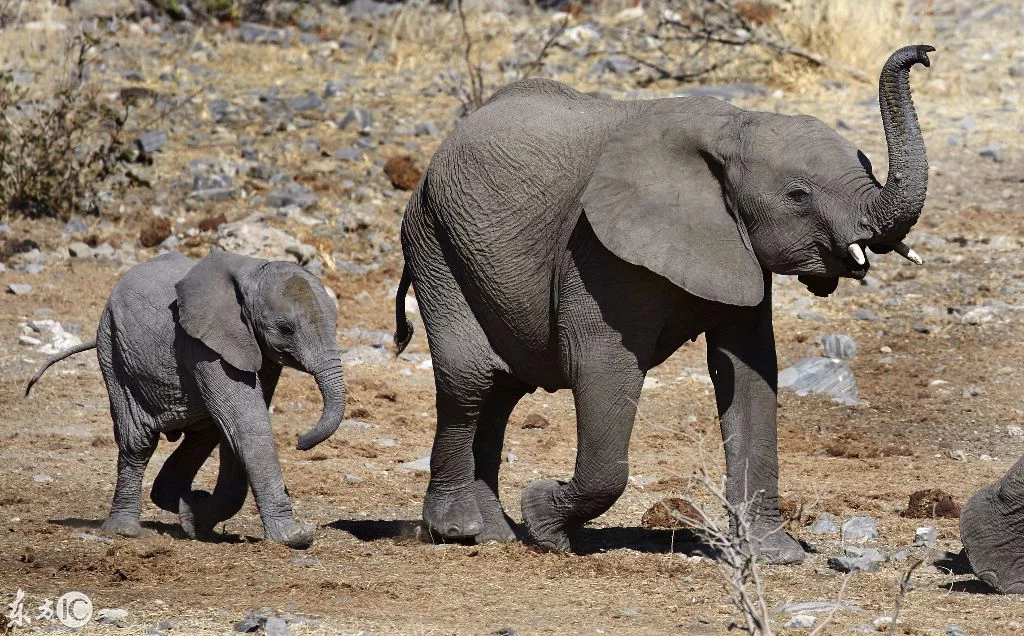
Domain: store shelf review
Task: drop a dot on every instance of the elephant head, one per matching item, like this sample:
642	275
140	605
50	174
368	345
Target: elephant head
712	196
247	310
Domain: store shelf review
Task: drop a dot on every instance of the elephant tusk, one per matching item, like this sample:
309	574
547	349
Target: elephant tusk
857	252
906	252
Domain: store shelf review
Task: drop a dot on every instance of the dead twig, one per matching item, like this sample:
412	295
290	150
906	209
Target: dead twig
839	601
545	49
476	78
905	587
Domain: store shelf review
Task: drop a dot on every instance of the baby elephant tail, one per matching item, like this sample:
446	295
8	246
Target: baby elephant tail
85	346
403	328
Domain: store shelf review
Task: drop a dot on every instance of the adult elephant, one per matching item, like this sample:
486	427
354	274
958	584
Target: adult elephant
559	241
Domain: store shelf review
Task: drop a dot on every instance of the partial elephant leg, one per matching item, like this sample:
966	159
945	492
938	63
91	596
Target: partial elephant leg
200	512
178	472
992	531
236	401
136	442
490	436
606	395
743	367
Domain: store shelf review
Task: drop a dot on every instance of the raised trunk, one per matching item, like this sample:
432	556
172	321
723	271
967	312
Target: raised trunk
330	379
898	205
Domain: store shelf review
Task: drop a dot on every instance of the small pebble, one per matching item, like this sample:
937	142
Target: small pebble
19	289
801	621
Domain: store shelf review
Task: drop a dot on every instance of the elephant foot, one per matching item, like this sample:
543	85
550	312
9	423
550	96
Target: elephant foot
291	533
497	526
453	514
124	525
194	518
775	545
547	528
993	542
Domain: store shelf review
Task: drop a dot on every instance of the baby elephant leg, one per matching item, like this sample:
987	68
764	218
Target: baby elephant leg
200	511
178	472
135	444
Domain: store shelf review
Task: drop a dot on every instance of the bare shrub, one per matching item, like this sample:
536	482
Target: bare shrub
56	150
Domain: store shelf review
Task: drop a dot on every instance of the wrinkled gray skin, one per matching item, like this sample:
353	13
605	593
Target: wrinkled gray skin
992	531
197	349
563	241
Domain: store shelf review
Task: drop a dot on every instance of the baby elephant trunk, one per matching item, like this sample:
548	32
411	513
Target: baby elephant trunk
331	381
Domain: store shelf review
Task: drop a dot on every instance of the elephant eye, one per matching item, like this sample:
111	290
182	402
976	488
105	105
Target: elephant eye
285	328
798	195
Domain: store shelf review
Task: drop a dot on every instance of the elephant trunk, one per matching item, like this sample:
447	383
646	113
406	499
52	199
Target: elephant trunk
330	379
898	205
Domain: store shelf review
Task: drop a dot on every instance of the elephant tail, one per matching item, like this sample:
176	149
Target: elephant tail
403	328
85	346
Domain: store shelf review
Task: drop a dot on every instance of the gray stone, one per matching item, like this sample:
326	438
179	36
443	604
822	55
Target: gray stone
954	630
42	479
73	226
257	33
6	229
817	607
369	10
839	346
826	376
373	355
111	616
303	253
864	314
349	154
151	141
79	249
427	129
1017	70
824	525
860	528
616	64
88	536
851	564
19	289
801	621
356	424
34	268
362	118
993	152
926	536
333	88
211	181
170	243
290	194
417	465
353	479
307	102
103	250
276	627
871	554
214	194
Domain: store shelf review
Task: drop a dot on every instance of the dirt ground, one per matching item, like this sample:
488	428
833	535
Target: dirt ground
939	393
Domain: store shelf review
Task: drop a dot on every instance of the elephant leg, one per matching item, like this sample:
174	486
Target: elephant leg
237	402
606	400
136	441
744	371
178	472
200	512
487	445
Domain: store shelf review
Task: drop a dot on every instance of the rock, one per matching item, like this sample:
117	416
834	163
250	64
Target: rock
1014	431
953	630
926	536
253	620
883	622
871	554
1017	70
651	382
353	479
303	253
349	154
827	376
823	525
151	141
42	479
616	64
154	231
290	194
510	457
88	536
860	529
427	129
931	503
362	118
257	33
79	249
417	465
387	442
34	268
535	420
255	239
993	152
111	616
307	102
356	424
852	564
29	341
817	607
864	314
402	172
19	289
671	514
373	355
839	346
972	391
801	621
276	627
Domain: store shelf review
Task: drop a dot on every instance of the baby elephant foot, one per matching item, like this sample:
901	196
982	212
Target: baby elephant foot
496	522
452	514
193	516
775	545
290	532
124	525
545	524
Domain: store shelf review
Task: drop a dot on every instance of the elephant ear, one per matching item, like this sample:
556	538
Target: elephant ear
655	200
210	308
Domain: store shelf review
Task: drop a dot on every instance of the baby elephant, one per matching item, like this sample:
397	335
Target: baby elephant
197	349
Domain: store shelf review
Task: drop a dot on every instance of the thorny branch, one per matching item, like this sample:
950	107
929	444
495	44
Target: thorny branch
476	78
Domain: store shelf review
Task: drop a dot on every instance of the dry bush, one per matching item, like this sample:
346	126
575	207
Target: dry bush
56	149
856	33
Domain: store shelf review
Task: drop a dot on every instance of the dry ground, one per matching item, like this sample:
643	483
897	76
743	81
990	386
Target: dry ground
368	570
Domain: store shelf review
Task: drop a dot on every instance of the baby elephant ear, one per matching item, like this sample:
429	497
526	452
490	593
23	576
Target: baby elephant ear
655	200
210	308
